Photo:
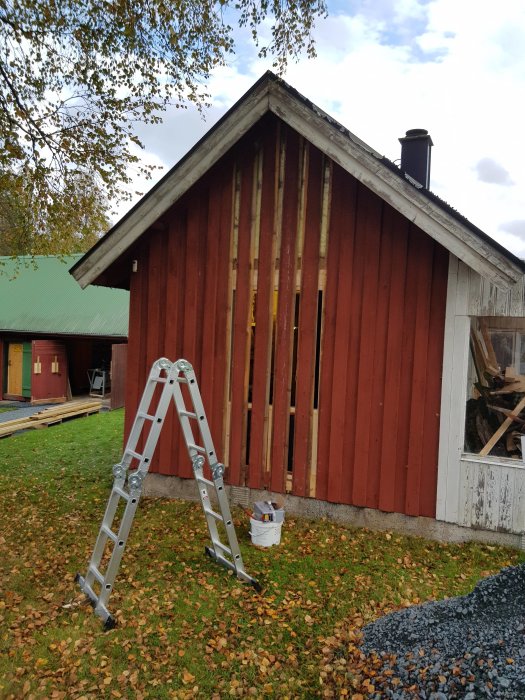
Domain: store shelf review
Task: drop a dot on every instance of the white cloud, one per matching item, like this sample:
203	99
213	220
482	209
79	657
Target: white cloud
490	171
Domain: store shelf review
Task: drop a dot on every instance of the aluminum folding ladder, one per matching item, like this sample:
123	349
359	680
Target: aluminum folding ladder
127	485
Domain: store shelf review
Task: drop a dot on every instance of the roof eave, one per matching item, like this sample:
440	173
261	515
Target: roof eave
271	94
364	165
178	181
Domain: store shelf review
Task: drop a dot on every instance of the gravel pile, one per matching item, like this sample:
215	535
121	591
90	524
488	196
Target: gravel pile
469	647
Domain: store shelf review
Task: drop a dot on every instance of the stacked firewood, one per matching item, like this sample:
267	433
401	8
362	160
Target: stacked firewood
495	422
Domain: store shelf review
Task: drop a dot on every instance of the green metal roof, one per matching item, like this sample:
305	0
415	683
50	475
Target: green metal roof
42	297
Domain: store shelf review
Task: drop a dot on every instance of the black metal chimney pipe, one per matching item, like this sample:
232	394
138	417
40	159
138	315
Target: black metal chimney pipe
415	155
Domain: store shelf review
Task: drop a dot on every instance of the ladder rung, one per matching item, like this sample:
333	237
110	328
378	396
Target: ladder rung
203	480
96	573
222	547
189	414
182	380
200	449
132	453
160	380
105	529
146	416
213	514
121	492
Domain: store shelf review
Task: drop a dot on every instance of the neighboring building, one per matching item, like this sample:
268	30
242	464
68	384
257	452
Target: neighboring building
321	293
52	332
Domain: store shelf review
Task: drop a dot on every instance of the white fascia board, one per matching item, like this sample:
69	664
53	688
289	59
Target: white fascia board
404	197
173	187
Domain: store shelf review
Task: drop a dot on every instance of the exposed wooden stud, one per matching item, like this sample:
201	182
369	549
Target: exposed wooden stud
503	428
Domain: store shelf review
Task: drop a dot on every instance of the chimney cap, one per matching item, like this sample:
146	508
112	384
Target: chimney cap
416	134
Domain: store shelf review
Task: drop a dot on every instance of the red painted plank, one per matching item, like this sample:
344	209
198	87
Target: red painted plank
210	262
240	328
351	306
155	328
136	370
171	437
434	374
395	227
307	330
344	201
369	228
263	315
407	360
379	371
417	445
285	317
193	293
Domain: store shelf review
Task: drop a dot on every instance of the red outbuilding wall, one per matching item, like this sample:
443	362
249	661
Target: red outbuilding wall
313	314
50	383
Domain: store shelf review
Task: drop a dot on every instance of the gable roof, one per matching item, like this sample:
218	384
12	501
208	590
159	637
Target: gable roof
37	295
271	94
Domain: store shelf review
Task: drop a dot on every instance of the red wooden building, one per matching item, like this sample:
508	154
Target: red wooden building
305	278
53	334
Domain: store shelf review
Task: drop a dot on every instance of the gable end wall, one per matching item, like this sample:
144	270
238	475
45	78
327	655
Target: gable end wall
314	316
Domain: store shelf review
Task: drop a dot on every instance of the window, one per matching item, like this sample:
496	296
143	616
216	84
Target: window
495	416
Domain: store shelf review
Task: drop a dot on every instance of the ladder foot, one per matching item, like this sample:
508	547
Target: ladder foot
256	585
242	576
109	624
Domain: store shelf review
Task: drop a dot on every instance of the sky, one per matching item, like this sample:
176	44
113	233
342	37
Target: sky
453	67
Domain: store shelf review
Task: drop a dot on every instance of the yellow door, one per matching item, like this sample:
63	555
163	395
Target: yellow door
14	368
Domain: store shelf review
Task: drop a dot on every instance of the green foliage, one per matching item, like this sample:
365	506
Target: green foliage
75	77
186	627
72	222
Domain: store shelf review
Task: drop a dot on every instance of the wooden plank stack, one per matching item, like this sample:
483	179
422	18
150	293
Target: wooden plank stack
51	416
499	417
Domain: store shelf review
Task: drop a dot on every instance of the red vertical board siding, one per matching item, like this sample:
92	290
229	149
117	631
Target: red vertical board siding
435	339
170	436
263	316
417	446
353	379
344	190
379	372
136	333
208	376
369	237
154	332
240	327
193	292
327	349
307	329
407	359
395	227
285	316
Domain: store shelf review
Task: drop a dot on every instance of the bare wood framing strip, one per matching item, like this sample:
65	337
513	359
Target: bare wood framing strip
264	284
503	427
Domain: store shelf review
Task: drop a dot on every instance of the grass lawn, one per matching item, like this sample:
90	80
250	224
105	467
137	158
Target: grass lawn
186	627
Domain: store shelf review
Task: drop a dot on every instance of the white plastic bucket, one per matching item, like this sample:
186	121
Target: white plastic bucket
264	534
